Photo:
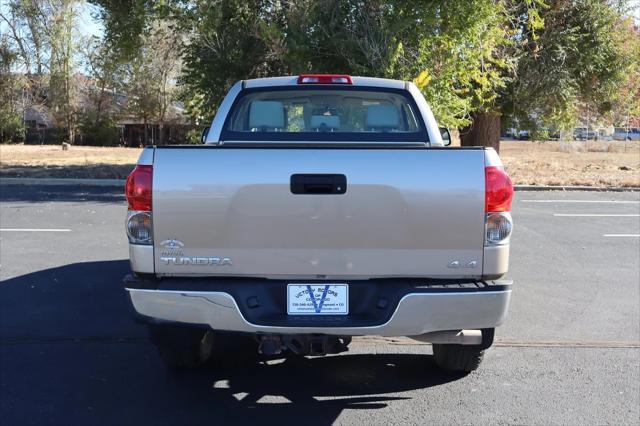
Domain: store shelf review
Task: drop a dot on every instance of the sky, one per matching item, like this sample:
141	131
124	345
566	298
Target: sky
88	25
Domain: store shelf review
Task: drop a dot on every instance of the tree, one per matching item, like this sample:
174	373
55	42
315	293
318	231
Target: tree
625	106
32	18
125	22
11	126
152	77
62	87
446	47
141	92
572	56
166	61
103	93
24	83
228	41
478	62
12	19
42	32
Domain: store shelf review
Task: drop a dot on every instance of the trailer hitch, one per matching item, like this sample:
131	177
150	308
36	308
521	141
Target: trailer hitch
302	344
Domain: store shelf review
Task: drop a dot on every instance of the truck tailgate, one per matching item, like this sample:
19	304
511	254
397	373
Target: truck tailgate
405	213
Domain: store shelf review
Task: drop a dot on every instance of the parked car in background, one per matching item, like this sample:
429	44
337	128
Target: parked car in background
628	134
508	133
604	135
584	134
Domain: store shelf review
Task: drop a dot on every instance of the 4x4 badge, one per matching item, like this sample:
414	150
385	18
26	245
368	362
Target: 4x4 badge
458	264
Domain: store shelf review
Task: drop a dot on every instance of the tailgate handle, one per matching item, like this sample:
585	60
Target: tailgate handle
318	184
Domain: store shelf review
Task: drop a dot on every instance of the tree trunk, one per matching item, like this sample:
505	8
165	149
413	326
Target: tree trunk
145	132
483	131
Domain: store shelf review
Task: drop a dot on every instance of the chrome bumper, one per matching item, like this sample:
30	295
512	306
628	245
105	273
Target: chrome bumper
416	313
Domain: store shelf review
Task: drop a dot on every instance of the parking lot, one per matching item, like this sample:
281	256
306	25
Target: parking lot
71	354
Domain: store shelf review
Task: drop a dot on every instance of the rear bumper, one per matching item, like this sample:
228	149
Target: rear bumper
410	307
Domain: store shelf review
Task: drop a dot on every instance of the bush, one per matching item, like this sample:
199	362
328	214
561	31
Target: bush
11	130
99	134
193	136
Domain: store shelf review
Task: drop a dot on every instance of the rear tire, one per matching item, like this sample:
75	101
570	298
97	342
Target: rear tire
182	347
458	358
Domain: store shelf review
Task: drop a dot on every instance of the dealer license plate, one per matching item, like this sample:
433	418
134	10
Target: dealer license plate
317	299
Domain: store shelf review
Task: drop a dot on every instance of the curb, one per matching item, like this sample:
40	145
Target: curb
62	182
120	183
576	188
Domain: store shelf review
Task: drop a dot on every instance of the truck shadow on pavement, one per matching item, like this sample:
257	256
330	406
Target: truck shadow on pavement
70	353
309	390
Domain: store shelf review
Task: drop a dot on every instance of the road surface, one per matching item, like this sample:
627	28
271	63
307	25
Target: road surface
70	353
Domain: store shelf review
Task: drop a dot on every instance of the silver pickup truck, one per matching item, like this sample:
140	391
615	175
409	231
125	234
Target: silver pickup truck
320	207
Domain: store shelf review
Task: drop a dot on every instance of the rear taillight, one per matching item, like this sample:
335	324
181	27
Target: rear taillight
137	189
138	192
498	190
498	196
324	79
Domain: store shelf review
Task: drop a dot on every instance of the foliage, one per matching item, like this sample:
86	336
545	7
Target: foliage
97	117
100	133
534	63
576	58
447	47
27	23
152	74
464	58
11	127
164	48
625	103
193	136
42	32
125	23
62	88
231	40
102	93
21	54
141	88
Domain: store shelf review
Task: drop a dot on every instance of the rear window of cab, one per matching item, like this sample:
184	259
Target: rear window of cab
324	113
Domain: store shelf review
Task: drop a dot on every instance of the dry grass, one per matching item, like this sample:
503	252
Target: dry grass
573	163
528	163
76	162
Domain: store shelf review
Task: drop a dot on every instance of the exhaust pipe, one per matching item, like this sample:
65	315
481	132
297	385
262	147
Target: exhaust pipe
456	337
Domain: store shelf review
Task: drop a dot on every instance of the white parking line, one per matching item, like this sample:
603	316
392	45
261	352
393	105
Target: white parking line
622	235
33	230
594	215
584	201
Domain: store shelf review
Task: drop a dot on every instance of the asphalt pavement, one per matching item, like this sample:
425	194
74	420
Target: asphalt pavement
70	353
